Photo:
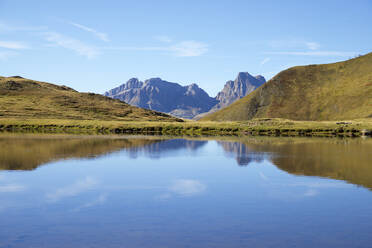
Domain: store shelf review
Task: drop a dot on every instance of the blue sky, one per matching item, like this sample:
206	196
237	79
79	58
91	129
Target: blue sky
97	45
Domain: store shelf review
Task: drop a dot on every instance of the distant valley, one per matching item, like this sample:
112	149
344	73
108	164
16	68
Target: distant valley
183	101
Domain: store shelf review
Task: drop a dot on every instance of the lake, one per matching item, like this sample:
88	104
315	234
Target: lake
137	191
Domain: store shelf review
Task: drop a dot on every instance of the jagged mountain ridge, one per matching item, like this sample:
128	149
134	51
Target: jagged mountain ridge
183	101
164	96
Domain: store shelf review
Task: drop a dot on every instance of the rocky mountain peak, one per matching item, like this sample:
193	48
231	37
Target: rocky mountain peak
153	80
260	78
133	83
243	75
243	84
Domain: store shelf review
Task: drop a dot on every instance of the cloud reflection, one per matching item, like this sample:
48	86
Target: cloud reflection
183	188
311	192
9	188
100	200
72	190
187	187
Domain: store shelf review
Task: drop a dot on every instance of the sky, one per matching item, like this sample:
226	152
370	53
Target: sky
93	46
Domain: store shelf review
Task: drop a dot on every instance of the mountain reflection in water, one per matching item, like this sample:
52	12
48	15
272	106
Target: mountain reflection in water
344	159
243	154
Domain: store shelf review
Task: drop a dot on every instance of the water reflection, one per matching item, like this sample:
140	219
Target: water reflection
344	159
75	189
163	192
244	156
29	152
161	148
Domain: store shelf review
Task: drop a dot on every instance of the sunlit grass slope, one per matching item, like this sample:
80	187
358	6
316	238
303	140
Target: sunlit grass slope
338	91
28	99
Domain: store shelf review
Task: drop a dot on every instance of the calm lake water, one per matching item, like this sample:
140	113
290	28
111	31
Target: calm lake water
68	191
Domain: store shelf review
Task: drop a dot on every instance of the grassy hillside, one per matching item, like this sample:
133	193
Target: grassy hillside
338	91
28	99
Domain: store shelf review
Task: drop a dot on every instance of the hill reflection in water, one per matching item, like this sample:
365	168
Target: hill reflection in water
29	152
344	159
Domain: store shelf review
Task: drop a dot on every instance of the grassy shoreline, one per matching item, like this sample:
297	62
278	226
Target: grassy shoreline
262	127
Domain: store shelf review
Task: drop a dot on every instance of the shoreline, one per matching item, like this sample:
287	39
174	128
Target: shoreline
256	127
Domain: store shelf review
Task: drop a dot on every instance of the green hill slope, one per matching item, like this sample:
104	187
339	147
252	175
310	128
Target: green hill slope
28	99
337	91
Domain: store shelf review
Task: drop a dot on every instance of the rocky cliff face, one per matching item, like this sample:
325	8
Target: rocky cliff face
183	101
157	94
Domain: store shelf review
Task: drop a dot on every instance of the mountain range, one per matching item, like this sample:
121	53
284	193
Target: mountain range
183	101
337	91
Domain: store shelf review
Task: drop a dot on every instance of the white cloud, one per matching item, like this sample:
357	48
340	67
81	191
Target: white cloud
312	45
294	43
265	61
71	44
77	188
13	45
163	38
11	188
133	48
187	187
316	53
99	35
181	49
310	48
189	49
